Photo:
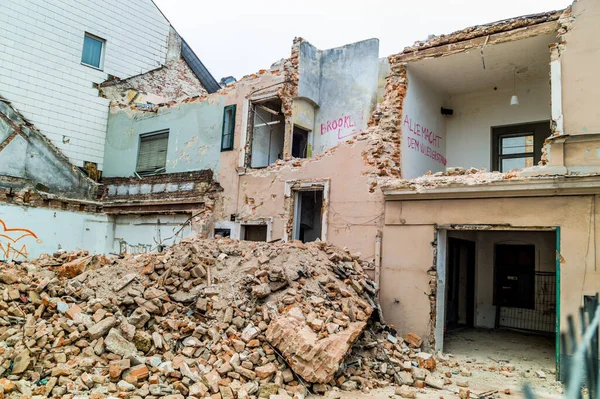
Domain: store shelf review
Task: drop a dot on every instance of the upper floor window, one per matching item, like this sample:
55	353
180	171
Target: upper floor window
228	128
93	51
152	156
518	146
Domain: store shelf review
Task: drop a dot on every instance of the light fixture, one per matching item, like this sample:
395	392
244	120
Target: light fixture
514	100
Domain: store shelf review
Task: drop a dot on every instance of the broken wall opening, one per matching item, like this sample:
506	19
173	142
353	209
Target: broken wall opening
257	232
300	143
306	210
476	89
308	215
267	132
150	232
499	286
253	230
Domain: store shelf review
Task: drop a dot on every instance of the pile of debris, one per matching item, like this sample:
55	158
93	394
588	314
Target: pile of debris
219	318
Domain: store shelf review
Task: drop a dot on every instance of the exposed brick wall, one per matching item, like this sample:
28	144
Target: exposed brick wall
30	197
484	30
159	187
175	81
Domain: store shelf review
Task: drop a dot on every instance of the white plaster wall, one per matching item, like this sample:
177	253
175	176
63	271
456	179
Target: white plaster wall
485	311
41	71
46	231
485	241
469	129
41	230
421	113
346	80
142	233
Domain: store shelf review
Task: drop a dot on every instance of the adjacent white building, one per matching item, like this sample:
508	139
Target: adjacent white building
53	53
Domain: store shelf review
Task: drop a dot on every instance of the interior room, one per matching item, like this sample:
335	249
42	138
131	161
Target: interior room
500	286
267	133
488	108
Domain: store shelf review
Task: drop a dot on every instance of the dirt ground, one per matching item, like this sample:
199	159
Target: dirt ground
489	355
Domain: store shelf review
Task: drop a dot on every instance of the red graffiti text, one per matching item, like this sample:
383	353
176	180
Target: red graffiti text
10	247
343	126
428	141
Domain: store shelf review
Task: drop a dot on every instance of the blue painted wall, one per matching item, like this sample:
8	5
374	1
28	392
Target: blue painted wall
194	137
342	82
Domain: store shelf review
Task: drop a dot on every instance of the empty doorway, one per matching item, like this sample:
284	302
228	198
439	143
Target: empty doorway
308	213
300	143
460	283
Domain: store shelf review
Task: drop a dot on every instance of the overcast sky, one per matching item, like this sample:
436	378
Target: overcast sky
239	37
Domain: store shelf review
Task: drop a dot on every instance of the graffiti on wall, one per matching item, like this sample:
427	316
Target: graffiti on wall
13	242
425	141
344	126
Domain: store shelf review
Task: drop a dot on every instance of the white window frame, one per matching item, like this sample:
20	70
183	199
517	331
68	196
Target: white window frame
245	125
100	66
150	134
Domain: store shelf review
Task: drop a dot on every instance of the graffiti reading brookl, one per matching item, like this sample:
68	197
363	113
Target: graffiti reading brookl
428	143
343	126
11	246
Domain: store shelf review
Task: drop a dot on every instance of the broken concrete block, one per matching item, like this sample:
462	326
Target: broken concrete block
434	382
314	360
406	392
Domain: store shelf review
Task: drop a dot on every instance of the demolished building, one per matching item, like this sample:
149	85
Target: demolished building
387	157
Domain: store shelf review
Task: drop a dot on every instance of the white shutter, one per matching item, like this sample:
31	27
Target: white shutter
152	156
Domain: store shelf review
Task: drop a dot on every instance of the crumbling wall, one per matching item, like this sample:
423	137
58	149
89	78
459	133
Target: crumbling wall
383	154
424	138
171	82
31	231
406	297
342	83
148	232
354	213
410	225
579	56
194	135
447	43
29	159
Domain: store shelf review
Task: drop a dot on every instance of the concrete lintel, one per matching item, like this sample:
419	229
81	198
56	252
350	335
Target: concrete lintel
497	38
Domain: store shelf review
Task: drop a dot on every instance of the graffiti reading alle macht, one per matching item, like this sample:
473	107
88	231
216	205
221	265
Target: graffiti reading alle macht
428	143
11	246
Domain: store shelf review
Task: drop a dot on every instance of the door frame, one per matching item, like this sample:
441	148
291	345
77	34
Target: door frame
470	275
441	264
291	206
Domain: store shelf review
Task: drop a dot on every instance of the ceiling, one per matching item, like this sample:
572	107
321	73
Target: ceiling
464	73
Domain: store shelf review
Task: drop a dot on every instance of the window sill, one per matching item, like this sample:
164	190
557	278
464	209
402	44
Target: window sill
91	66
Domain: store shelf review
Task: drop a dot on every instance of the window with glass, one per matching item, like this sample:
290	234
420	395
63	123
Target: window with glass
92	53
152	155
518	146
228	128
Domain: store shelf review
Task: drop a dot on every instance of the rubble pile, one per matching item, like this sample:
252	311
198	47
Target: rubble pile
209	318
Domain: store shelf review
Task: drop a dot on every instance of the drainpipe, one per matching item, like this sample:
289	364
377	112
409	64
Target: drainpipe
378	262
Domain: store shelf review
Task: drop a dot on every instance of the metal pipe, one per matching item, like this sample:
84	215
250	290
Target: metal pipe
557	334
577	365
